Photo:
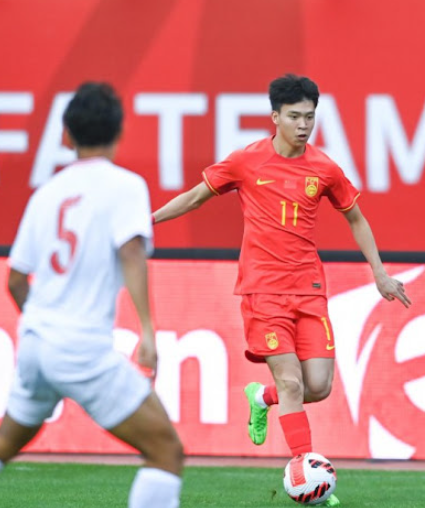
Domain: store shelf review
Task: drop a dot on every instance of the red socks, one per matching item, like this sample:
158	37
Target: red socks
296	429
270	395
295	426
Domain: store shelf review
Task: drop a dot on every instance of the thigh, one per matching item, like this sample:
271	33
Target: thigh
32	398
314	334
269	325
318	373
150	431
286	367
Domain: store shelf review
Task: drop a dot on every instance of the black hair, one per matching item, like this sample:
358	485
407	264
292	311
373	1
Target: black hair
94	115
290	89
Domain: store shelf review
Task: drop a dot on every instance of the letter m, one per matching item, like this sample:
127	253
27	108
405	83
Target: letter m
385	136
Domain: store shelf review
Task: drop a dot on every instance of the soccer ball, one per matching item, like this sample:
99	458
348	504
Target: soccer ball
309	478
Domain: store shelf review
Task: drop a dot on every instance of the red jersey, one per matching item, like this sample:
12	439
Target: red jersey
280	197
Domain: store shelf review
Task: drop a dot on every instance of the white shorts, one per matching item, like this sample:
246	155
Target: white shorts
104	383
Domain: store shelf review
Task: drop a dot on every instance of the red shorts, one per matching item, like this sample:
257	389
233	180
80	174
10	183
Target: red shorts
278	324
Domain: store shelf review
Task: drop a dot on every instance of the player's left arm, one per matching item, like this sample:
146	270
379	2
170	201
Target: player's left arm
388	287
18	286
132	256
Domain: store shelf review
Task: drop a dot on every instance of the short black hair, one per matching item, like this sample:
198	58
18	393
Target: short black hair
94	115
290	89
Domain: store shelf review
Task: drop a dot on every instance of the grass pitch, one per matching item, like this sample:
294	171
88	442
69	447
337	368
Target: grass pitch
31	485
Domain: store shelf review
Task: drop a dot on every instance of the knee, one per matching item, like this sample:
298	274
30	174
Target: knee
172	457
176	451
290	388
319	391
166	452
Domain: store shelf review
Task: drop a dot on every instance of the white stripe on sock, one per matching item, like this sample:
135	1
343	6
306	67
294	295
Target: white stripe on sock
259	397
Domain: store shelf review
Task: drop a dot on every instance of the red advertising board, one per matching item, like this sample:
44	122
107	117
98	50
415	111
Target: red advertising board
194	75
377	406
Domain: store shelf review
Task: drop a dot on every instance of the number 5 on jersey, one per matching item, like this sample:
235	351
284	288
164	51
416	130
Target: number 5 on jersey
65	235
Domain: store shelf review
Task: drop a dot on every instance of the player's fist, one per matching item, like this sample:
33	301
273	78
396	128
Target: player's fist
147	356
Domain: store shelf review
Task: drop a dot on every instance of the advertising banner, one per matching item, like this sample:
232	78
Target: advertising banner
194	77
377	406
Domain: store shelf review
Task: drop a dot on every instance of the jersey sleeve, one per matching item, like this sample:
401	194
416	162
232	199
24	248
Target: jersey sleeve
225	175
341	192
23	253
131	214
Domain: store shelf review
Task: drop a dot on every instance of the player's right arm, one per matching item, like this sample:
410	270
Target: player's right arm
183	203
219	178
18	286
23	256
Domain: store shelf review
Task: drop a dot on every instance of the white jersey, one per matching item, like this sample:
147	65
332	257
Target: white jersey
69	238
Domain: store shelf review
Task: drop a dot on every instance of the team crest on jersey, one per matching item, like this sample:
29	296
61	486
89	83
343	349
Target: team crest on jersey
311	185
271	339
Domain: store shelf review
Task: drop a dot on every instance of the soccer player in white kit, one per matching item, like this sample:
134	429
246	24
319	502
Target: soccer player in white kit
84	234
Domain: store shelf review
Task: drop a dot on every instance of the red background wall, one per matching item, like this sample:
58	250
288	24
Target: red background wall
354	49
377	406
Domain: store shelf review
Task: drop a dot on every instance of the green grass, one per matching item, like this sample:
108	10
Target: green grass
29	485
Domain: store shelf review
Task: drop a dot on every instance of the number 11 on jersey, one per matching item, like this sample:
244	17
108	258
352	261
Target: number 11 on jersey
295	211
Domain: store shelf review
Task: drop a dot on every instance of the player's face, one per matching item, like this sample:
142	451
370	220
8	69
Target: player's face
295	122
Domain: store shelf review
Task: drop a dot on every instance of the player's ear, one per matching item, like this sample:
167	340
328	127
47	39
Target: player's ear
275	117
67	139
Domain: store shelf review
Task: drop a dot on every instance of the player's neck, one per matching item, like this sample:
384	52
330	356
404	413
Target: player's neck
107	152
283	148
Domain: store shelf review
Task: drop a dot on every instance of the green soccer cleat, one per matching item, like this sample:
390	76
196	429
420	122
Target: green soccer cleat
331	502
257	425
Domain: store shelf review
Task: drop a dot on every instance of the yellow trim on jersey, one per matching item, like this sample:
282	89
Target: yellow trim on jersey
209	185
351	206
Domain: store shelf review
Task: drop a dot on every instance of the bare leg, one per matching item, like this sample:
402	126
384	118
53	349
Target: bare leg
317	375
13	437
150	431
288	376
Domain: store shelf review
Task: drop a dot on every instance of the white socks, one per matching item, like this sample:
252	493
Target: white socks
155	488
259	397
1	465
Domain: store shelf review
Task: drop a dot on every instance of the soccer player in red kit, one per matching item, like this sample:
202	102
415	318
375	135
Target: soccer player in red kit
280	181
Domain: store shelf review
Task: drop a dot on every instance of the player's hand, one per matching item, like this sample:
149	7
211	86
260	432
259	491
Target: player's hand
147	355
392	289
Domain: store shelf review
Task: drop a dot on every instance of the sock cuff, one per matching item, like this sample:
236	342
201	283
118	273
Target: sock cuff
291	418
159	475
155	488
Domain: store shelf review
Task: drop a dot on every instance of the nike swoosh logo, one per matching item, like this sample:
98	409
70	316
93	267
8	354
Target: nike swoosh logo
329	347
264	182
